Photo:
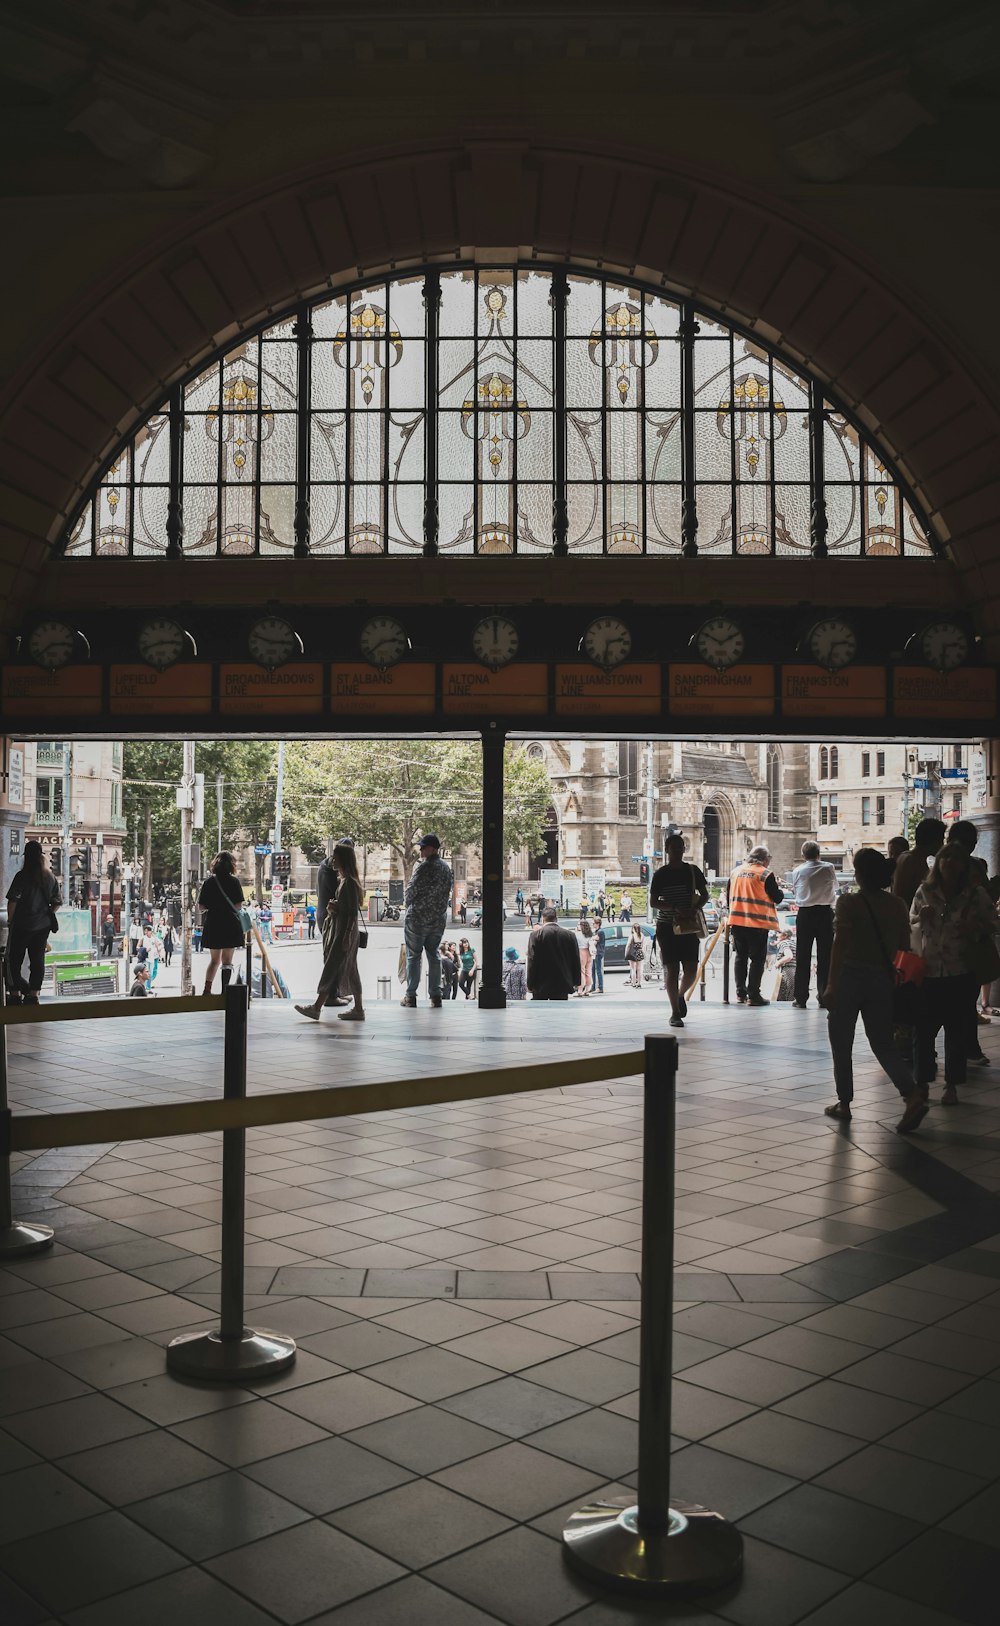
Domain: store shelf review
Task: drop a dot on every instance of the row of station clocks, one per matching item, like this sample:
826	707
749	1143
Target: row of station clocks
720	642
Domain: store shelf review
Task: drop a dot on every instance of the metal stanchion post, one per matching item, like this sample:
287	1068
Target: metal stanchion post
235	1353
655	1547
725	965
16	1238
249	968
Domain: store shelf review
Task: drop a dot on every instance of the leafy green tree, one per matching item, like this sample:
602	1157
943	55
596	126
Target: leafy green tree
152	773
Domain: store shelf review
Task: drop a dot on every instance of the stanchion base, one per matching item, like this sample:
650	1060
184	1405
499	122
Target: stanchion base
16	1240
700	1552
209	1356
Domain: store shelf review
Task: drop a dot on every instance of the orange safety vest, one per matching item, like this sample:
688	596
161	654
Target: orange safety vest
749	904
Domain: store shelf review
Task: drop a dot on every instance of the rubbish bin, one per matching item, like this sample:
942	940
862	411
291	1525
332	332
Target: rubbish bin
376	908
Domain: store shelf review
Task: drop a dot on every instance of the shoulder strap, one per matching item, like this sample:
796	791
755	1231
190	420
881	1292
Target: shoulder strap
878	936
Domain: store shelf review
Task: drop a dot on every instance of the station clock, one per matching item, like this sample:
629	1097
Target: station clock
162	643
272	642
942	644
52	644
832	643
495	641
719	642
383	641
607	642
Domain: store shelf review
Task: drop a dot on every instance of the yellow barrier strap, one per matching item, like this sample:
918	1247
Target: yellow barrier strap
157	1122
79	1010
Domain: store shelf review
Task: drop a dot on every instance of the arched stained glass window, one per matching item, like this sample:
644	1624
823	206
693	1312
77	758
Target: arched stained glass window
514	409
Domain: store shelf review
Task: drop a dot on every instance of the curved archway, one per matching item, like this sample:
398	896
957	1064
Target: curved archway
789	284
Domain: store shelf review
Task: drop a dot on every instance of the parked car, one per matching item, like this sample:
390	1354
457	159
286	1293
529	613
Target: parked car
615	940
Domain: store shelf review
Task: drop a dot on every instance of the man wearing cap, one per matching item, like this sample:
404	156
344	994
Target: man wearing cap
426	912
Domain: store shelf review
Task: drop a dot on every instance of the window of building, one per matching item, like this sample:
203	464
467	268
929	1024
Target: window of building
956	804
880	810
866	764
833	809
116	754
880	763
834	762
957	756
48	797
628	779
116	799
318	434
828	809
824	762
773	784
866	810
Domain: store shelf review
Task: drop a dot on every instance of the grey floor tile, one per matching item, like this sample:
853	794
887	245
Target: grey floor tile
427	1439
513	1406
861	1412
586	1375
721	1324
811	1351
327	1475
860	1326
833	1530
946	1571
188	1595
109	1363
76	1425
17	1609
980	1401
865	1605
419	1523
42	1498
890	1373
346	1402
247	1433
14	1454
786	1444
509	1346
597	1440
362	1343
144	1466
502	1284
299	1572
519	1576
726	1484
577	1323
695	1413
216	1515
901	1484
431	1373
518	1480
166	1399
97	1557
434	1321
413	1602
63	1337
957	1442
777	1588
979	1520
36	1383
748	1377
952	1349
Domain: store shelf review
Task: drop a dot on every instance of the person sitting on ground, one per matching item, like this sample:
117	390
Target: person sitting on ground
677	891
870	927
514	976
553	959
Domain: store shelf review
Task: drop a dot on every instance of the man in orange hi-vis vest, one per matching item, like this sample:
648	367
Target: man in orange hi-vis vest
752	895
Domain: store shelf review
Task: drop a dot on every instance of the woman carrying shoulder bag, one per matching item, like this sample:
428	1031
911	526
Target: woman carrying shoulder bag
222	928
953	919
341	938
32	901
679	893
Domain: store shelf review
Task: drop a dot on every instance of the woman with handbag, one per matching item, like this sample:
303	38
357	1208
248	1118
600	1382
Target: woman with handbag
679	893
32	900
341	939
222	922
870	927
585	943
954	924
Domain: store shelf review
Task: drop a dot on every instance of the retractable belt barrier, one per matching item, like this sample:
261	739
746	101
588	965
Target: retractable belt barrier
648	1547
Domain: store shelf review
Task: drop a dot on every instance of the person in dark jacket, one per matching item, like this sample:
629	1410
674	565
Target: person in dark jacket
32	898
221	899
553	959
327	882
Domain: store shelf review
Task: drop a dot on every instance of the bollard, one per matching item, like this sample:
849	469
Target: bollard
249	967
16	1238
235	1353
725	965
384	988
653	1547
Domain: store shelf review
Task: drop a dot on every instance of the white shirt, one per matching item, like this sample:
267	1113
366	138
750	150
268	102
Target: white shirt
815	882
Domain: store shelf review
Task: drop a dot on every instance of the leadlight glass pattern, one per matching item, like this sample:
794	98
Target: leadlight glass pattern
460	411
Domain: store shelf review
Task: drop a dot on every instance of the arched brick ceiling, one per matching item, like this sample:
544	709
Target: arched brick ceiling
88	382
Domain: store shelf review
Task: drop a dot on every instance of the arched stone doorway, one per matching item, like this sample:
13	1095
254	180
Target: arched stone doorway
549	859
713	840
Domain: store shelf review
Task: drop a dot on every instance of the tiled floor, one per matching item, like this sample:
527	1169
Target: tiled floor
463	1285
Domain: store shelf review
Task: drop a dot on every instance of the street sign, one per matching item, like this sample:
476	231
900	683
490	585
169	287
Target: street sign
921	784
637	858
263	848
954	773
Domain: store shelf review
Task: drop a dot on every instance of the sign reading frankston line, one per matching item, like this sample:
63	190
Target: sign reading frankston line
856	691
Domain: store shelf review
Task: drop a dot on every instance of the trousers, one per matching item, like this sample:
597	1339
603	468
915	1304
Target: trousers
33	945
865	991
945	1002
422	940
750	945
813	924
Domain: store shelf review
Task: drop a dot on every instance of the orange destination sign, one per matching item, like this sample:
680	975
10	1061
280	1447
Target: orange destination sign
699	691
632	690
138	690
919	692
75	691
514	689
370	691
251	690
857	691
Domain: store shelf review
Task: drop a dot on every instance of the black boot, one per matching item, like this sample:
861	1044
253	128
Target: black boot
227	976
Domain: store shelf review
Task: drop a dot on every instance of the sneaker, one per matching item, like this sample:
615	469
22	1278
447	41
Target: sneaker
308	1010
676	1022
409	1001
741	999
757	1000
950	1096
799	1005
917	1109
983	1019
436	1003
840	1109
982	1060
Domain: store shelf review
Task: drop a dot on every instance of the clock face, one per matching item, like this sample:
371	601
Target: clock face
52	644
720	642
832	643
607	642
162	643
495	641
383	641
944	645
272	641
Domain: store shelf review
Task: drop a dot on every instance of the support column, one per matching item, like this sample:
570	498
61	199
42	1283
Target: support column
491	993
987	819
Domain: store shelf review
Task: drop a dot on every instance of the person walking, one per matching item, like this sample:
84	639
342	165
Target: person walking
677	891
108	935
814	888
32	900
469	967
584	940
635	951
140	978
327	882
167	945
911	870
340	940
752	894
222	931
625	907
514	976
870	926
519	901
598	948
612	907
950	914
134	934
426	911
311	922
553	959
151	943
965	834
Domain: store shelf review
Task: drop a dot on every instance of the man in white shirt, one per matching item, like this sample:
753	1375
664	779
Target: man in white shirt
814	886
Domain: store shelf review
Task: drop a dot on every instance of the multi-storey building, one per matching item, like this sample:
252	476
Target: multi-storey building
91	818
863	794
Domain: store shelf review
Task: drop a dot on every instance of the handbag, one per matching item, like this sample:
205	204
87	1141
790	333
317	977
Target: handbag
362	932
242	915
905	991
690	922
53	921
983	960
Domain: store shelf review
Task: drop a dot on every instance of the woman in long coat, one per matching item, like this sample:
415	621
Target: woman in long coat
221	899
32	900
340	940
